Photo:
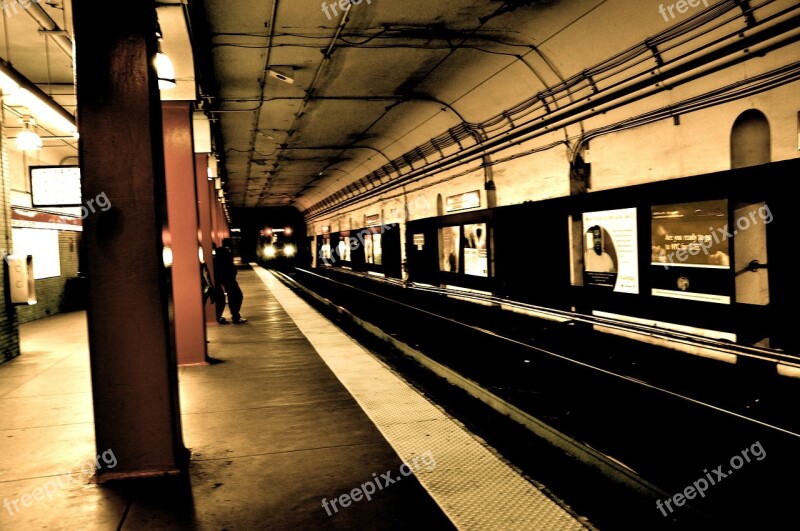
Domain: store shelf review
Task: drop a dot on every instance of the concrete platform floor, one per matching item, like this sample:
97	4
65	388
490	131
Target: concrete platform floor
271	429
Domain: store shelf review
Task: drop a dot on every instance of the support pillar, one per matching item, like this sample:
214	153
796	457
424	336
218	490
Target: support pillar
219	222
187	287
133	363
204	205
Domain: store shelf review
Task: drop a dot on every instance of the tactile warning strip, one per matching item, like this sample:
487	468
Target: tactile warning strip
473	486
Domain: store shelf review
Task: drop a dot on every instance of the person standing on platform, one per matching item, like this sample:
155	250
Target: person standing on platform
225	273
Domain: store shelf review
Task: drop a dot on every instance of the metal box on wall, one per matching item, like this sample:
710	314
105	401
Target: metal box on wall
22	287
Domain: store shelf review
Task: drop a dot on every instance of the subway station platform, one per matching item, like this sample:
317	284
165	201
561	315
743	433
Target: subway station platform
294	426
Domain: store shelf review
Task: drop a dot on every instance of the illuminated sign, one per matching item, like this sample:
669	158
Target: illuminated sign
55	186
463	201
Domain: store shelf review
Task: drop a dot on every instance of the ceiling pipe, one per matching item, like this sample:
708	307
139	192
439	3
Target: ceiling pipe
487	160
776	33
317	98
28	85
780	30
263	85
312	86
50	28
339	148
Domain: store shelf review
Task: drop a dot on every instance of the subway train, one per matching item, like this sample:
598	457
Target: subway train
276	247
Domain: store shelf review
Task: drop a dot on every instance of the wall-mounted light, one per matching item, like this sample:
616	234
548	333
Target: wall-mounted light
19	92
165	71
166	256
213	168
29	139
7	85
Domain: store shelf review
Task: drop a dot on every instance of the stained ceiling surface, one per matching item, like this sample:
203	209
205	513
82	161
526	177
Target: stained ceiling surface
311	98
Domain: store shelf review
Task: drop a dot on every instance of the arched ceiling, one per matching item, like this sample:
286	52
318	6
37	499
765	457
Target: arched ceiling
308	103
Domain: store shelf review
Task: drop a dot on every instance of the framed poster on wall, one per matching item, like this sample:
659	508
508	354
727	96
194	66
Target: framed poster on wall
42	244
448	259
476	259
690	251
610	256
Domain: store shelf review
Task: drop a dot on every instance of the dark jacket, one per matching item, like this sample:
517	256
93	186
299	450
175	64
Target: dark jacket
224	270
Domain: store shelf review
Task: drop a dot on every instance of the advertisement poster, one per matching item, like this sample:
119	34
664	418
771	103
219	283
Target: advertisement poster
377	250
325	248
448	261
43	246
690	244
368	249
372	249
691	235
344	248
476	259
610	257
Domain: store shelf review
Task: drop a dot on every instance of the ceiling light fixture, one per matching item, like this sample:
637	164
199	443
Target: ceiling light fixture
281	77
165	71
7	85
29	139
18	92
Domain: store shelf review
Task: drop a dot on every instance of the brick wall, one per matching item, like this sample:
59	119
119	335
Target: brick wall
50	292
9	336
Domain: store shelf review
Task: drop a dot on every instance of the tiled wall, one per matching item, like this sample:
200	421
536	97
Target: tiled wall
50	292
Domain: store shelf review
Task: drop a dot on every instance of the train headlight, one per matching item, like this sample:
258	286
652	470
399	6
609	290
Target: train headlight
269	251
289	250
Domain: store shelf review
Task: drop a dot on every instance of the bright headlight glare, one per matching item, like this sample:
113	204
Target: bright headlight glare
289	250
269	251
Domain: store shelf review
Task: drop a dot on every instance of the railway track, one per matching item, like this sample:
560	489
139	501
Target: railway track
647	418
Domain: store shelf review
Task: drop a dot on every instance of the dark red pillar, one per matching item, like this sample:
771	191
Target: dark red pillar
133	363
204	205
187	291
